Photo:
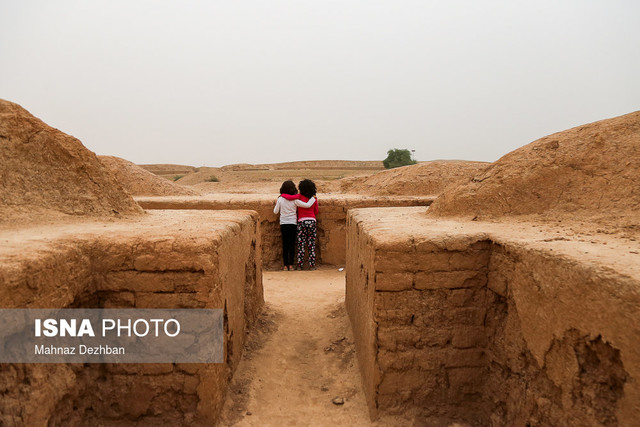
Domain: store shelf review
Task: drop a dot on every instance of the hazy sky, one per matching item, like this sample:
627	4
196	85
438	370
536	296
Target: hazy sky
219	82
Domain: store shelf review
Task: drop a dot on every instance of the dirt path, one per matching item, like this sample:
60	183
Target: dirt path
299	358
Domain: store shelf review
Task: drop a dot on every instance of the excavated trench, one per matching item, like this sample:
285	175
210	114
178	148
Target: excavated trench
451	326
170	259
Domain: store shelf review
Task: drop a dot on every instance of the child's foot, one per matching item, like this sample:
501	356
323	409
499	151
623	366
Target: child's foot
285	268
312	267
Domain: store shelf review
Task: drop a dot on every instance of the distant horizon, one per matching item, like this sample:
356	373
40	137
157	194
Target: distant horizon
320	160
329	159
294	161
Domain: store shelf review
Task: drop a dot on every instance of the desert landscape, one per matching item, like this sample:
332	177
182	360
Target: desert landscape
449	293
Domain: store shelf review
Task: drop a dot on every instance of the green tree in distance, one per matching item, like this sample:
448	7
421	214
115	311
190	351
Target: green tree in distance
398	157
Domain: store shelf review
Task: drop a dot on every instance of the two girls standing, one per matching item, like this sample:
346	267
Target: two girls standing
298	219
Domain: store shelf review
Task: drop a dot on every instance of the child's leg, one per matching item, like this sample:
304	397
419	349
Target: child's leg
289	243
311	236
301	244
283	232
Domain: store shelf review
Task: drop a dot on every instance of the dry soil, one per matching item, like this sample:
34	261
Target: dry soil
140	182
300	358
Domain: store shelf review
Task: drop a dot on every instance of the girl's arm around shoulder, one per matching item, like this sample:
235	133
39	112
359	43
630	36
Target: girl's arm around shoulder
306	204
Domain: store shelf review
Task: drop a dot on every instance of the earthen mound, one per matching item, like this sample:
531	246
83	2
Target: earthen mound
168	170
46	173
423	179
590	170
140	182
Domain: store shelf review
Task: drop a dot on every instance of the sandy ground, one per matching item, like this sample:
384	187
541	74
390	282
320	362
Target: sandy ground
300	357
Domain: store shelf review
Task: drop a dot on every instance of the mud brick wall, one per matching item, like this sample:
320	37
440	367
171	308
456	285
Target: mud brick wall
332	217
479	328
421	309
168	260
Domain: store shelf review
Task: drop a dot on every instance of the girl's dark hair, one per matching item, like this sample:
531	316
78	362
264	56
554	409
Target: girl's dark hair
307	188
288	187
